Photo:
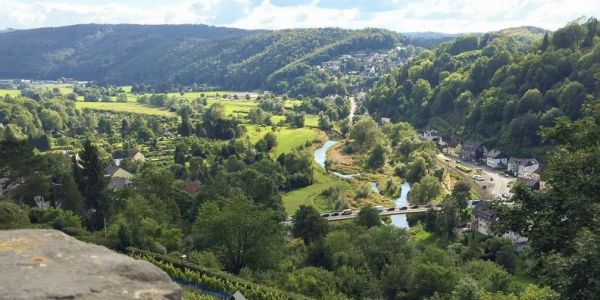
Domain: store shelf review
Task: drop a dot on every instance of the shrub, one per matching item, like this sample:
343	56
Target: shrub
12	216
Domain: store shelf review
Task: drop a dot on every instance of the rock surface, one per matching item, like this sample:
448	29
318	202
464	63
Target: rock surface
48	264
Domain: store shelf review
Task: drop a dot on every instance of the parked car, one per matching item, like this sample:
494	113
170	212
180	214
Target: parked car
325	215
391	209
478	177
458	161
414	206
403	208
379	207
335	214
346	212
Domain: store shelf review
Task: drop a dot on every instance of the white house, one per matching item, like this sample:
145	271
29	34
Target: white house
496	159
523	167
433	135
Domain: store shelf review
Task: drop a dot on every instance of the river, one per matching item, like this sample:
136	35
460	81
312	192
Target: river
397	220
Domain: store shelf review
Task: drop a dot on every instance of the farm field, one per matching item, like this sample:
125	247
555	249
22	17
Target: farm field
130	107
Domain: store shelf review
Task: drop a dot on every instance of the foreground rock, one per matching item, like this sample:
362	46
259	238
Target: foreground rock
48	264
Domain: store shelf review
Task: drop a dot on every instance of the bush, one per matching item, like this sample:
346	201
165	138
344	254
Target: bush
12	216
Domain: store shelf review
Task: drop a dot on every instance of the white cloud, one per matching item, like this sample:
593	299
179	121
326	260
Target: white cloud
415	15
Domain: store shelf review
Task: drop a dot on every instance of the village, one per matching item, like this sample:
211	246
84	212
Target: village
492	170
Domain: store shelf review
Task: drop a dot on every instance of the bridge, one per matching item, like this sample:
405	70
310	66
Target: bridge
384	213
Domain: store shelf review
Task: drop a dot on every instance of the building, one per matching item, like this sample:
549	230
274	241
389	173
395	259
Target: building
118	156
472	151
433	135
533	184
119	178
519	241
523	167
483	218
496	159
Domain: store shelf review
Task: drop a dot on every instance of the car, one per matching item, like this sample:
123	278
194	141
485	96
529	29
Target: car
428	205
465	229
478	177
335	214
378	207
506	175
458	161
403	208
346	212
414	206
477	164
391	209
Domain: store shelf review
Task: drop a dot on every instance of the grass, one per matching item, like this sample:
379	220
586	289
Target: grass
12	93
288	138
130	107
234	107
311	195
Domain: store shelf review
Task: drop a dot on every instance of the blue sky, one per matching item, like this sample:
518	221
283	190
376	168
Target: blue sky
400	15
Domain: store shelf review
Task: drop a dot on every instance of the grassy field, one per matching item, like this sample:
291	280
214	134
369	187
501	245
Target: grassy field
130	107
12	93
311	195
234	107
288	138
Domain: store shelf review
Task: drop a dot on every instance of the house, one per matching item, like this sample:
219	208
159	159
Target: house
523	167
533	184
483	218
118	156
519	241
496	159
472	151
119	178
433	135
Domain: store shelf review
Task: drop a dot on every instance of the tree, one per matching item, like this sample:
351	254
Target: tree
567	209
309	225
51	120
425	190
365	133
377	157
324	121
125	130
545	42
461	193
368	216
105	126
122	97
92	185
12	216
240	233
71	198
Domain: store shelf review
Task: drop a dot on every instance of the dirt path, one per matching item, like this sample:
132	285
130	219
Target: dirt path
352	109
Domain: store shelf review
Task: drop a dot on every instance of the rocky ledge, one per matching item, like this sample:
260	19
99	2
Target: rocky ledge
48	264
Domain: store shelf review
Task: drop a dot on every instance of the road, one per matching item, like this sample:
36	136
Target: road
494	181
397	211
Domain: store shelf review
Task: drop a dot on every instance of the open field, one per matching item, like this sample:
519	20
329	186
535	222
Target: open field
234	107
9	92
287	138
130	107
311	195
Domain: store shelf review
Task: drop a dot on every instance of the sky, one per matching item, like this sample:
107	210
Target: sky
450	16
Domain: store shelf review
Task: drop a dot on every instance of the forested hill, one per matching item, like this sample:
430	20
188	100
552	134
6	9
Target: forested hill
498	87
183	54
